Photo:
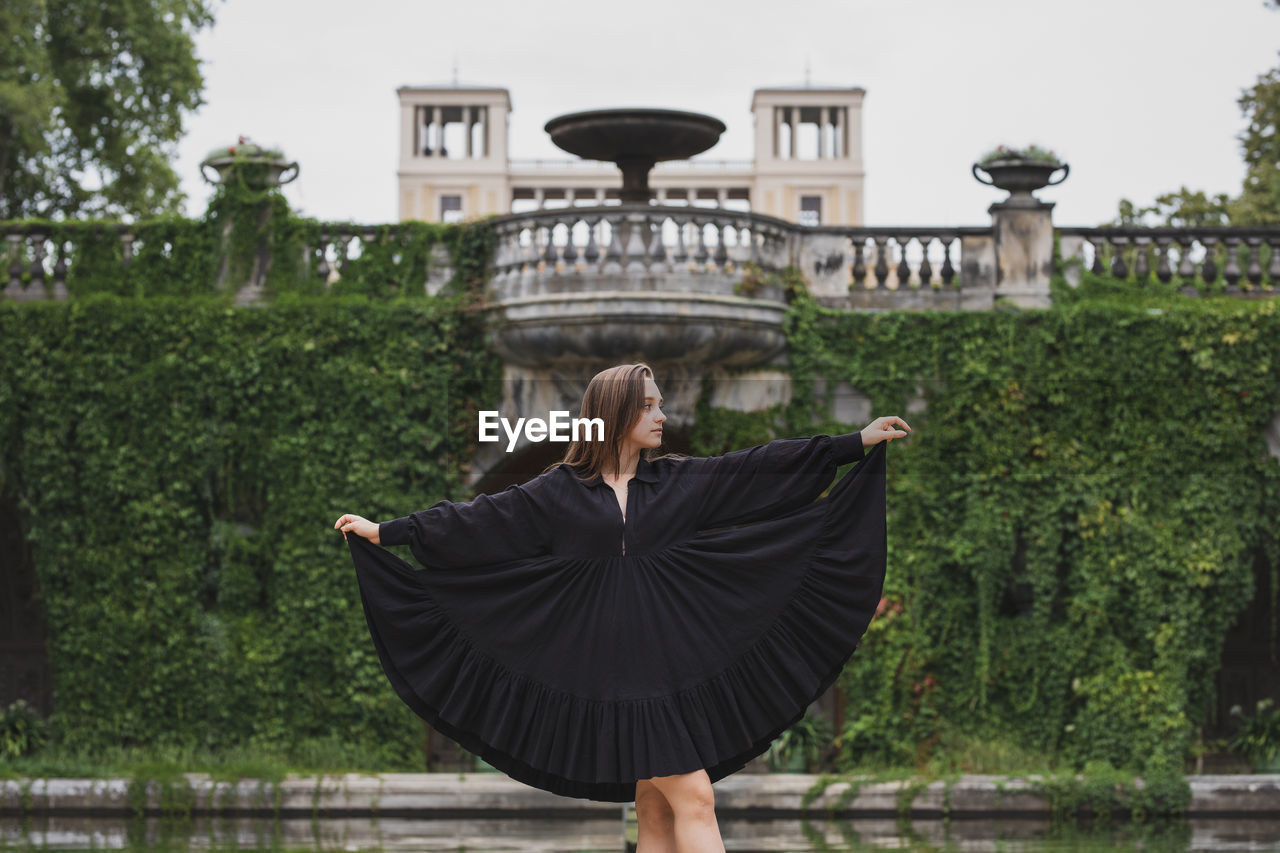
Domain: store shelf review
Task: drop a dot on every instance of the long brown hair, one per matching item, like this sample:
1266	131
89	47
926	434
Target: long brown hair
616	396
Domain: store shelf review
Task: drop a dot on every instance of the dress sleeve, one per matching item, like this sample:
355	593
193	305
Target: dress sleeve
768	480
488	529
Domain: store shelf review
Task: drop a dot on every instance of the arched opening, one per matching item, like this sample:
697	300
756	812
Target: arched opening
24	658
1250	668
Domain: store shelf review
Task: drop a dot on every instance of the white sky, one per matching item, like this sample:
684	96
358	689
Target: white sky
1139	96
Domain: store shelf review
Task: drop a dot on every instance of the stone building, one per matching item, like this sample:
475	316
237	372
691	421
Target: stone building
455	161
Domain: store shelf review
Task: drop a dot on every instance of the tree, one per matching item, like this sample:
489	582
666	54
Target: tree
1182	209
93	94
1259	201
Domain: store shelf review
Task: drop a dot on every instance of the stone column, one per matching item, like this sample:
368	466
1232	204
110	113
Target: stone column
466	128
1024	251
792	114
409	146
439	126
823	119
841	146
777	133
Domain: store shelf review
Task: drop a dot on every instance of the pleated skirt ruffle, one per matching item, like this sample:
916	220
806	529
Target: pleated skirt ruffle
582	676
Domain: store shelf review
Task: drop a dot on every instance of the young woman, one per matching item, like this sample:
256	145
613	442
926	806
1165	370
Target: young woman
630	625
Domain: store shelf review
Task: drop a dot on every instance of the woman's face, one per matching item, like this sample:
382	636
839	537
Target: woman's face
647	433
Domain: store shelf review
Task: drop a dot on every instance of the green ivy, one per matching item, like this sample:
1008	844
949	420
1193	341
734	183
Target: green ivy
178	465
1073	524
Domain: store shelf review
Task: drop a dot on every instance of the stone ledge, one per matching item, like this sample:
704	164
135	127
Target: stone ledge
412	794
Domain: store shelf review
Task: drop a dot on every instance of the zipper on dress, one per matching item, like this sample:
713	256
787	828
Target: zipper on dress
624	520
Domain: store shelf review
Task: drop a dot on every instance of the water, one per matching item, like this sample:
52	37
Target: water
558	834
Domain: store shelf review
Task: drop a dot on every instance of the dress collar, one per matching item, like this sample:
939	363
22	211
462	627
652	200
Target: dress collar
646	471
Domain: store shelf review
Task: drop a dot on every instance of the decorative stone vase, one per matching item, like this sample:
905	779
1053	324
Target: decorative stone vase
257	167
1020	176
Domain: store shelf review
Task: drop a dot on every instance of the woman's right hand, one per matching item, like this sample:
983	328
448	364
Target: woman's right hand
362	527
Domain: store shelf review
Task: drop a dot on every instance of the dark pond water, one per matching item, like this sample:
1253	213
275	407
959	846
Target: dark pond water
539	835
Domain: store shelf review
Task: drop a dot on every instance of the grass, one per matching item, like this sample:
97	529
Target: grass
309	758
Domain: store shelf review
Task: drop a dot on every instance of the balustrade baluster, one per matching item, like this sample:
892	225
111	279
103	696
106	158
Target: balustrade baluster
613	255
903	271
592	253
700	254
528	250
126	240
1231	271
1141	265
1273	268
948	271
60	272
35	287
882	263
926	269
501	250
1119	269
1209	269
636	258
1163	272
722	251
1186	269
550	254
658	249
570	253
681	254
859	269
1255	264
322	268
1099	249
344	241
14	289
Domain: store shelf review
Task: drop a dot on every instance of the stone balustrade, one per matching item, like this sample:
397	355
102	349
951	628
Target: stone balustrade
1243	262
546	248
899	268
666	282
714	252
38	259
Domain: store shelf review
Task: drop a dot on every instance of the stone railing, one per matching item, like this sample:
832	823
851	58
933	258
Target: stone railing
899	268
1242	262
638	245
37	264
667	282
713	251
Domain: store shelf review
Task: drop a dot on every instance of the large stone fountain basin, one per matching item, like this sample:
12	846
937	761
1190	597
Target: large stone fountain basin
620	135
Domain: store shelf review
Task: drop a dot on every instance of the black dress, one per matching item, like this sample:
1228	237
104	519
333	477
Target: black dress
579	652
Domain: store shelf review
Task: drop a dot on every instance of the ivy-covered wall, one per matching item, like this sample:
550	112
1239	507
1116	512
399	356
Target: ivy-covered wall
1072	525
178	464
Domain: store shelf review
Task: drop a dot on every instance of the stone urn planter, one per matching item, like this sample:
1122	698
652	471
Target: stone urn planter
258	168
1020	172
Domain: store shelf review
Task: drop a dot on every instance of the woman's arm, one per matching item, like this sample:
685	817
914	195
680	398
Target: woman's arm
488	529
775	478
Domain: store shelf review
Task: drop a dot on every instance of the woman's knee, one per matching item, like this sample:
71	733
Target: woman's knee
652	809
689	794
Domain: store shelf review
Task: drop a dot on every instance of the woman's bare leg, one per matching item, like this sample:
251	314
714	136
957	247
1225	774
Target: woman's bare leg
694	805
655	820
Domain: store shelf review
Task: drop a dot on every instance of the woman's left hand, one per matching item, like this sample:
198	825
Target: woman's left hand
882	429
358	525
